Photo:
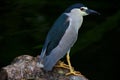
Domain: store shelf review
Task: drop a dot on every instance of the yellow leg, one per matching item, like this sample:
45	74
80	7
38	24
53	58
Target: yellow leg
72	71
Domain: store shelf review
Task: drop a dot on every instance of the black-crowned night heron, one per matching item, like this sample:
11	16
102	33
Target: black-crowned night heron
62	36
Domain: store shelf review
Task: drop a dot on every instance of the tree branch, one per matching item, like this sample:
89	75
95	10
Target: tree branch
25	68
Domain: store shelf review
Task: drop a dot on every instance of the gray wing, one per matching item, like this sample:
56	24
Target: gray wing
55	35
59	43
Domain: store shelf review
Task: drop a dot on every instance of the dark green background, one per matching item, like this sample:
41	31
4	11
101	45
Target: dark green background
24	25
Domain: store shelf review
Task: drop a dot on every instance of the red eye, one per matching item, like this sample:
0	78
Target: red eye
82	9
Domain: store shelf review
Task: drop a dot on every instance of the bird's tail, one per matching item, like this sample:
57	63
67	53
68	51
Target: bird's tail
41	59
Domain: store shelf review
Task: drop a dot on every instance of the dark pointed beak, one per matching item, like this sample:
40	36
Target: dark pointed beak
90	11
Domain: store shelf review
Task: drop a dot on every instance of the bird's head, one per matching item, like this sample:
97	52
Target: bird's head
81	9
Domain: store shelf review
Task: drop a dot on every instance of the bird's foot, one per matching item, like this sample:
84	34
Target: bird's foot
73	72
62	65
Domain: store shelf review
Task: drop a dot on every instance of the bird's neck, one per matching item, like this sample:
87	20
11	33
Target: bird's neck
76	20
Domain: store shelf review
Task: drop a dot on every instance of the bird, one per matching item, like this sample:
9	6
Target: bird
62	36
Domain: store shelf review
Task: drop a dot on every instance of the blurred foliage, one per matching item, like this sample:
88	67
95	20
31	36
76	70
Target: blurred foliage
24	25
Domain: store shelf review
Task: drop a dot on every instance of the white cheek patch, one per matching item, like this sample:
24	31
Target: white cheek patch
83	12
